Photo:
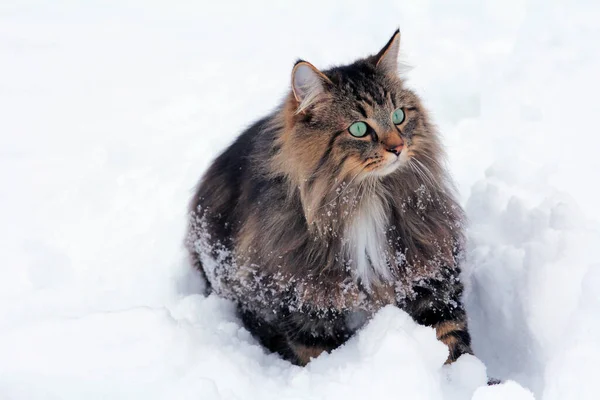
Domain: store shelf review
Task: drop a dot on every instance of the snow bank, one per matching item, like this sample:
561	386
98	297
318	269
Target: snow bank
112	110
200	350
530	253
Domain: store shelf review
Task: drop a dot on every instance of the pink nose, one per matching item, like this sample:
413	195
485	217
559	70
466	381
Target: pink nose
395	147
396	150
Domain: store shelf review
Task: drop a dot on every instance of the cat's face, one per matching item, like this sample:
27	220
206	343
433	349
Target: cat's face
370	122
358	121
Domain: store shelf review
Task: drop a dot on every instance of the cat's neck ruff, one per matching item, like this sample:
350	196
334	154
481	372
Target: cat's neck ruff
365	241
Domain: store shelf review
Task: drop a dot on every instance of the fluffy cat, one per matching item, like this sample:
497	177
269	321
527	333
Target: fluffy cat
332	207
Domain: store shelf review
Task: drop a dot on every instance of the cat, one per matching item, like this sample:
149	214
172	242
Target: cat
330	208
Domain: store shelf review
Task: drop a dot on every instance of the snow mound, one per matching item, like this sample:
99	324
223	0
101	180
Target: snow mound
200	350
508	390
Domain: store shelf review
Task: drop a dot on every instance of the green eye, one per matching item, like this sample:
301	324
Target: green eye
398	116
358	129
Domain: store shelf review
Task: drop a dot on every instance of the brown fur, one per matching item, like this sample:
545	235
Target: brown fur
274	221
306	353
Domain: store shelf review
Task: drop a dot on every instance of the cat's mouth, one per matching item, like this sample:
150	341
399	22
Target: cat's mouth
389	163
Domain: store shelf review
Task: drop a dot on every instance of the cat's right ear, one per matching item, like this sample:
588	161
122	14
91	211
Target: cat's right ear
387	58
308	83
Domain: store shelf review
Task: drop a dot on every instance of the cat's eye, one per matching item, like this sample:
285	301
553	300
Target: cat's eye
398	116
358	129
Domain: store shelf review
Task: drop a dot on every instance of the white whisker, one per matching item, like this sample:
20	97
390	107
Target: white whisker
344	188
436	162
421	173
426	170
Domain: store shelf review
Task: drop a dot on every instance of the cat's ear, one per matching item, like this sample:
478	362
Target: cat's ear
307	83
387	58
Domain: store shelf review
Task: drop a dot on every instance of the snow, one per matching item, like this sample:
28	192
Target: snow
112	110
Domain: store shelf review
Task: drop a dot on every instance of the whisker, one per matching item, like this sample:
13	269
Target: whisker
417	171
319	171
421	173
436	162
432	178
345	187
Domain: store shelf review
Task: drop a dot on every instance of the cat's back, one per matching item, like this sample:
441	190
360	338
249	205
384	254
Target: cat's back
219	190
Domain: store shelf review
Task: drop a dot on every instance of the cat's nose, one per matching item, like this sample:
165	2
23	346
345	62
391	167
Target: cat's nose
395	147
396	150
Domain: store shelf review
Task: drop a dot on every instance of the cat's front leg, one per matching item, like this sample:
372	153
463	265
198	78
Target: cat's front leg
455	335
312	333
438	304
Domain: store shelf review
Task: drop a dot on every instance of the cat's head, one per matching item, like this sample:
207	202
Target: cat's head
356	121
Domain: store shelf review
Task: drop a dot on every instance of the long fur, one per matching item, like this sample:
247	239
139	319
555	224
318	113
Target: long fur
300	224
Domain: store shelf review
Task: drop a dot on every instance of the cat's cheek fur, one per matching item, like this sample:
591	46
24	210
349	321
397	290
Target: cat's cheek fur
393	164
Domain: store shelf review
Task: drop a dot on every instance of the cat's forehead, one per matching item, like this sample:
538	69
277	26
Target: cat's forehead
361	82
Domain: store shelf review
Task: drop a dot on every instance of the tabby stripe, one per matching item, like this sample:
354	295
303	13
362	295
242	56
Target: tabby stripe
458	342
338	168
461	336
361	110
381	95
327	152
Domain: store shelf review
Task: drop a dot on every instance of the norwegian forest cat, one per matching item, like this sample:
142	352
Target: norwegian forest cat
330	208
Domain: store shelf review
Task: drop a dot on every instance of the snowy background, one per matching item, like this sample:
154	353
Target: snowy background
110	112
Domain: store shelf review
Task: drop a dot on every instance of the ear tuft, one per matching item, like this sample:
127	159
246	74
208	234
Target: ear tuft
307	83
387	58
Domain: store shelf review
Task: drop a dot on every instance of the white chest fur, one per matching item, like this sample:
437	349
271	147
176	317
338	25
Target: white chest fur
366	242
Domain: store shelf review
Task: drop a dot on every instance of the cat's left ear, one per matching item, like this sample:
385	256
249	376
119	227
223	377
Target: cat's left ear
387	58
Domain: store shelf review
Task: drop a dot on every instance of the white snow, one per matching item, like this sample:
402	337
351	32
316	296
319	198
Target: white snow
110	111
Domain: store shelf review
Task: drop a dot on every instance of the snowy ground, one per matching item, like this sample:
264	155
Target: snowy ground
110	111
